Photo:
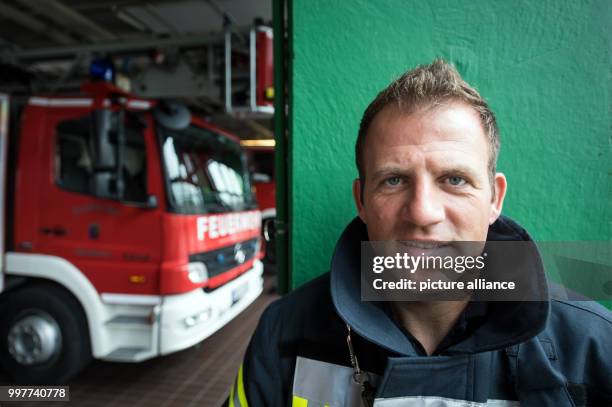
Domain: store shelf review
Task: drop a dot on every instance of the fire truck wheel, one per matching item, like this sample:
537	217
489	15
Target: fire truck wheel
43	335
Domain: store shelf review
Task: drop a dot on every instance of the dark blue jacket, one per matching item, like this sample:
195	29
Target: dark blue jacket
548	353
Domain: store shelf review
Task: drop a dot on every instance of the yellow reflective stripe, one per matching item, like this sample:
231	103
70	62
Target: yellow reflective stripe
231	397
241	395
299	402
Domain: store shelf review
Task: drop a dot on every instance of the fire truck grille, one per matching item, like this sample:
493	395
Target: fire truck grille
226	258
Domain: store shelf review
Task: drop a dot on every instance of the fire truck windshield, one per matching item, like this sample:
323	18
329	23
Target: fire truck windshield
206	172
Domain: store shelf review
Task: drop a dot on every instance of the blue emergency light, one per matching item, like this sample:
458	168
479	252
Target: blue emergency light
102	69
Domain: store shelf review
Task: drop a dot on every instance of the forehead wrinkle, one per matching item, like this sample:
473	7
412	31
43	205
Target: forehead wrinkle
461	125
409	162
406	153
427	141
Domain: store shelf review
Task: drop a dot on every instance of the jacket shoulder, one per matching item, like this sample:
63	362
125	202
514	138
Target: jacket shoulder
311	298
577	337
574	323
306	314
318	287
577	318
583	312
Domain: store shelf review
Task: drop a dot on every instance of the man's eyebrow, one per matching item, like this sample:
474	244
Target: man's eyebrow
388	170
444	169
458	170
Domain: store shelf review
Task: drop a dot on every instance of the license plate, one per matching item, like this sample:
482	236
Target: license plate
239	292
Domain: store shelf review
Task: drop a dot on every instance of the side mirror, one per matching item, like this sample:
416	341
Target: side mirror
107	183
152	202
104	125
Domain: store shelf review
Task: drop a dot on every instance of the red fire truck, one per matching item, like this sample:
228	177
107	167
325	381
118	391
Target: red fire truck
263	180
129	230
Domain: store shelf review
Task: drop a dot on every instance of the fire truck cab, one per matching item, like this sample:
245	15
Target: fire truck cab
129	231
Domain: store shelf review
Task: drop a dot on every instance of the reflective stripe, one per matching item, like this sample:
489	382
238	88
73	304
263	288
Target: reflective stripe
299	402
231	397
322	383
242	400
421	401
139	104
318	384
38	101
237	395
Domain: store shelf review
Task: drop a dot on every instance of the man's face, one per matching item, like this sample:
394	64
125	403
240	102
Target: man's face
427	176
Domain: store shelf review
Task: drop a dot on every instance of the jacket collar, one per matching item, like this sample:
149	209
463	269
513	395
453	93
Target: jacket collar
507	323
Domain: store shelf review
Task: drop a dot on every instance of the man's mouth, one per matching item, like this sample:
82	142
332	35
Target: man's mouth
423	244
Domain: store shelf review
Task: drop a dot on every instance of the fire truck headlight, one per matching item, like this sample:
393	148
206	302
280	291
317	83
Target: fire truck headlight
197	272
198	318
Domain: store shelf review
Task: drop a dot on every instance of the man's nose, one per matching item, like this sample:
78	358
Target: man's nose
424	206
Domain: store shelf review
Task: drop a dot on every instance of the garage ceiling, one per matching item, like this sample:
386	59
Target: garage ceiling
48	46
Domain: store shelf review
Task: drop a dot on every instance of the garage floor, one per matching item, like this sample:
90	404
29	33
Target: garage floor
199	376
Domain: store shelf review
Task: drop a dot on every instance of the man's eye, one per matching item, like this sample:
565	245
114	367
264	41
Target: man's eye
456	181
393	181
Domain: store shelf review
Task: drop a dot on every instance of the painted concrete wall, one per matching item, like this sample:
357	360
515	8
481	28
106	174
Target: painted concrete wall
543	65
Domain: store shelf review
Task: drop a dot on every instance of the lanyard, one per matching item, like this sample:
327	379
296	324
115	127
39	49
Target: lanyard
359	376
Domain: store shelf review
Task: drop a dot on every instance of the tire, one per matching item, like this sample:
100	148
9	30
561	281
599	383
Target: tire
58	318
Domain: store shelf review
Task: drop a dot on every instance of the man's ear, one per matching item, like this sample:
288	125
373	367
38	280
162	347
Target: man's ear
357	198
499	193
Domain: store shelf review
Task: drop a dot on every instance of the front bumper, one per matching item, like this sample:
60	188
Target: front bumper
134	333
186	319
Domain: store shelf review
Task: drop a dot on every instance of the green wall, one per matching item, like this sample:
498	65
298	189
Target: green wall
544	66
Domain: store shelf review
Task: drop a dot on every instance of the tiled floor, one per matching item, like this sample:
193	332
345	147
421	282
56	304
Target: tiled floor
199	376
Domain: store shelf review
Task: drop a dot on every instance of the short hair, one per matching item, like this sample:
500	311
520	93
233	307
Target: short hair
424	86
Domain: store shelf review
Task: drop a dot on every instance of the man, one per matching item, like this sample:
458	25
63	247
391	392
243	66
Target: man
426	154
